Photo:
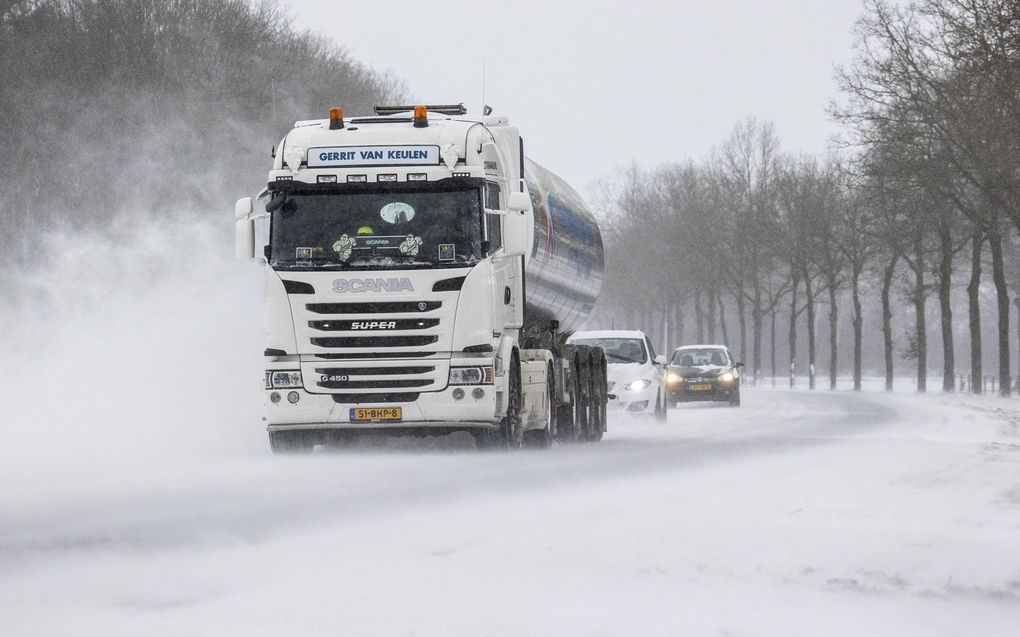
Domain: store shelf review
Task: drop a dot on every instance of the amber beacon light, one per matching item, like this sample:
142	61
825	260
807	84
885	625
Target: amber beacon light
336	118
421	116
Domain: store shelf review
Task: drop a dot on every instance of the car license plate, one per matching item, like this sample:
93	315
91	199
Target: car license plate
701	387
359	414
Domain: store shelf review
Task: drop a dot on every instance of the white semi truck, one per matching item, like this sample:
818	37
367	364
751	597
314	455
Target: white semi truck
422	277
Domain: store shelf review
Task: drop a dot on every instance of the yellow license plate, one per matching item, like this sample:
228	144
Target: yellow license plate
701	387
375	413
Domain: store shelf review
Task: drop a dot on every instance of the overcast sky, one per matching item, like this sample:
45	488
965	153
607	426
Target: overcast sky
594	85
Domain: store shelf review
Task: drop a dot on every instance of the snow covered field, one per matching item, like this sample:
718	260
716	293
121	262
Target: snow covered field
798	514
139	496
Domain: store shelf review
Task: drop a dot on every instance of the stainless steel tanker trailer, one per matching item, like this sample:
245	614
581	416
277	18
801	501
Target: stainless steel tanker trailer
422	277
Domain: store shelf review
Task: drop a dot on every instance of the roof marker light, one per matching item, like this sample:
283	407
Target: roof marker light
336	118
386	177
421	116
417	176
357	179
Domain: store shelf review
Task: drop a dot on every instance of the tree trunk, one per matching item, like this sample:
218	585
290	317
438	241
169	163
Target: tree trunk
809	293
920	324
699	317
757	321
722	319
793	334
711	316
858	328
887	281
742	316
772	348
1002	298
833	334
974	311
946	308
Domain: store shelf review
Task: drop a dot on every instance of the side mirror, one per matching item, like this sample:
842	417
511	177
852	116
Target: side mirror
244	230
243	207
515	235
660	359
518	202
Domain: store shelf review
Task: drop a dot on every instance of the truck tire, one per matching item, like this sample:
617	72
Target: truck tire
510	427
543	438
581	393
291	442
570	416
596	396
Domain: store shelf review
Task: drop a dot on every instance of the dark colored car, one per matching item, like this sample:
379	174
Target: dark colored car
703	372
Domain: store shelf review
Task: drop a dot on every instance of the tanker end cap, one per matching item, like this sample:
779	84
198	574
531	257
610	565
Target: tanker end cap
336	118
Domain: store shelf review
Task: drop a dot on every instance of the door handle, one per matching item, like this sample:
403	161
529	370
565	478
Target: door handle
506	295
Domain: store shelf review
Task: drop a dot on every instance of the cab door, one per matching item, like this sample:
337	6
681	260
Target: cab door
504	287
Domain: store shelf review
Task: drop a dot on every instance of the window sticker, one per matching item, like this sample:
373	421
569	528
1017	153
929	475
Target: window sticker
447	251
302	253
343	246
397	212
410	245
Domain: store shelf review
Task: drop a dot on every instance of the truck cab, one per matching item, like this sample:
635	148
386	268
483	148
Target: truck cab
394	248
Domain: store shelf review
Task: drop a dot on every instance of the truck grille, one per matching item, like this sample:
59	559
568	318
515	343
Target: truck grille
358	350
386	376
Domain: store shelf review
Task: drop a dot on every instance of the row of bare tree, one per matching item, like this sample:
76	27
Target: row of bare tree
927	178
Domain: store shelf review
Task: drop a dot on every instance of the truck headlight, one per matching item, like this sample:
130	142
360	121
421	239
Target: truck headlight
672	378
470	375
638	385
285	380
726	377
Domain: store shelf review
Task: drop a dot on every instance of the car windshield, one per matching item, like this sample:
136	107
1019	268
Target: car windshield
701	357
375	228
618	350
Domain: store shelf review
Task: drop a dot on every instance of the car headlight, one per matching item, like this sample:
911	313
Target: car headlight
638	385
726	377
470	375
673	378
285	380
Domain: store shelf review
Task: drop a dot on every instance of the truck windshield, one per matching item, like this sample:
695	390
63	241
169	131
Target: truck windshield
383	228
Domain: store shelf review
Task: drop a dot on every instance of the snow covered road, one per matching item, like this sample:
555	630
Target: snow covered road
798	514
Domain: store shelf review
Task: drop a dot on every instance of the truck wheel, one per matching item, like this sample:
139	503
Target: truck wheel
596	397
511	427
291	442
543	438
571	416
583	386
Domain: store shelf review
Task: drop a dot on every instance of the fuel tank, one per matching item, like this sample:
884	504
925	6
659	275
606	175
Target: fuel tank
563	272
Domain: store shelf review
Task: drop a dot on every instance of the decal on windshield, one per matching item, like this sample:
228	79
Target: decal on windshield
397	212
447	251
302	253
344	246
410	245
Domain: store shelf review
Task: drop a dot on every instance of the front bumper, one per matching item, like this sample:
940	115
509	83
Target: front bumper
430	410
683	392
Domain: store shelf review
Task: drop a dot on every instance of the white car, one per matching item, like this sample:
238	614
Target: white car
634	372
